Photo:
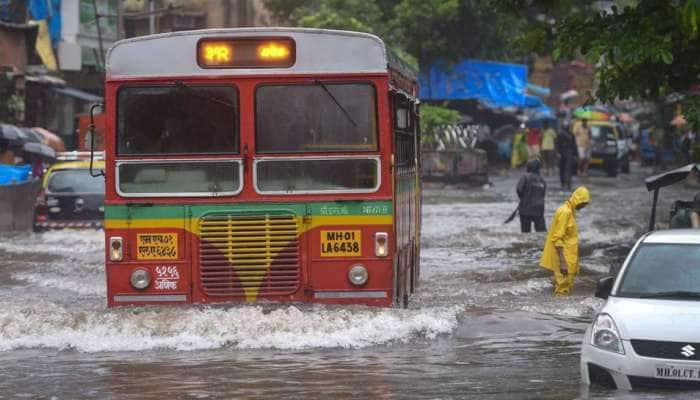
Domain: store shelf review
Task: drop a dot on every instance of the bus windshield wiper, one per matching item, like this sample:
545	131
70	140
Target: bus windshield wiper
325	89
678	294
197	93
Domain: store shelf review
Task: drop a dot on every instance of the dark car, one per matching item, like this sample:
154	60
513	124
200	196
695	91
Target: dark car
70	197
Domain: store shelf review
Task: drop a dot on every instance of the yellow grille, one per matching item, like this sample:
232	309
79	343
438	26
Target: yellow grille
249	255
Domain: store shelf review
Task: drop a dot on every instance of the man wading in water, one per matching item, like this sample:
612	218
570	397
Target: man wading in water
560	254
531	190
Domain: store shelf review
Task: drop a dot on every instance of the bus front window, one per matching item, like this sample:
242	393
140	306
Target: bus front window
321	117
316	118
179	119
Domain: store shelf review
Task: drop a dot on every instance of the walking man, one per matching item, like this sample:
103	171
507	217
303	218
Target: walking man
566	147
531	190
583	141
560	254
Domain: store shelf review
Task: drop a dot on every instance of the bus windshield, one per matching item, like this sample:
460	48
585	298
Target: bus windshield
320	117
180	119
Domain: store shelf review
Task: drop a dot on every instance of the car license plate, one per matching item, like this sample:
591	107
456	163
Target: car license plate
668	371
156	246
341	243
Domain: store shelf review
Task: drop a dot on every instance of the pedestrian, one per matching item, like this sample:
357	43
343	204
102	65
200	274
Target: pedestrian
687	144
548	155
534	139
565	144
560	254
582	132
531	190
695	212
519	148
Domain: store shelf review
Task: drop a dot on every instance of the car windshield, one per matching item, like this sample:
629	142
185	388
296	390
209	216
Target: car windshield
669	271
602	132
319	117
75	181
177	119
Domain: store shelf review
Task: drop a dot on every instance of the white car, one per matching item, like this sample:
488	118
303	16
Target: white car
648	332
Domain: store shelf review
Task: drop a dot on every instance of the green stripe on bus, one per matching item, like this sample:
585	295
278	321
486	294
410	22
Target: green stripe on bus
332	208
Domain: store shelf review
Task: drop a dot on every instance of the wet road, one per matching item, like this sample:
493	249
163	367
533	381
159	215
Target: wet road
484	325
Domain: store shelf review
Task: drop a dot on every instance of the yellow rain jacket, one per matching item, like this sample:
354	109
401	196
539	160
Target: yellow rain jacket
563	233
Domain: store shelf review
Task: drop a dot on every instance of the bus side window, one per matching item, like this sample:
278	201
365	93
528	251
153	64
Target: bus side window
402	118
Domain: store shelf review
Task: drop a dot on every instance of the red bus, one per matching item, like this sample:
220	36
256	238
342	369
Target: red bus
273	164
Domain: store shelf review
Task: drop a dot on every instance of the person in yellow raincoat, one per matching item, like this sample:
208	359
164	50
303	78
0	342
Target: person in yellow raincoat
518	154
560	254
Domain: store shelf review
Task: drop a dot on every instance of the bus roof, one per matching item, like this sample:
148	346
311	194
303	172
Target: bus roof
317	51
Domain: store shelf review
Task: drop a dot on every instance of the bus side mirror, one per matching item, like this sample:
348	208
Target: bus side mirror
92	139
604	287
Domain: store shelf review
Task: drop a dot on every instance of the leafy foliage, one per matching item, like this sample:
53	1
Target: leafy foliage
642	51
356	15
428	30
433	119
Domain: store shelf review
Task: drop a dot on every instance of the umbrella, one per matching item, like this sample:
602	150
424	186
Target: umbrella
40	149
585	113
50	139
10	133
678	120
626	118
568	94
28	136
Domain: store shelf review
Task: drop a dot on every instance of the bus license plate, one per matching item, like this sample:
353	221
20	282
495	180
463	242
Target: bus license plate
156	246
341	244
675	372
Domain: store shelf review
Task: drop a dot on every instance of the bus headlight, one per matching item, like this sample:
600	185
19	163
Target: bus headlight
115	248
358	275
381	244
140	279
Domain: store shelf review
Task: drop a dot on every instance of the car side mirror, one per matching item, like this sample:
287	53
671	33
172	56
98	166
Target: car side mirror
604	287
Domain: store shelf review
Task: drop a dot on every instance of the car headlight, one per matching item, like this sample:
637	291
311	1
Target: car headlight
605	335
140	279
358	275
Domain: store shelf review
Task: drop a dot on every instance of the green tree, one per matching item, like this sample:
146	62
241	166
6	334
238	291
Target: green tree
433	119
356	15
452	30
428	30
642	49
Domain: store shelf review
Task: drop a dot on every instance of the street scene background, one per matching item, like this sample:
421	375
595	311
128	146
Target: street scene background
484	324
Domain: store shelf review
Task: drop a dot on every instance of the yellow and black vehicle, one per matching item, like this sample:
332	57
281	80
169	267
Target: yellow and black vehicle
70	197
609	146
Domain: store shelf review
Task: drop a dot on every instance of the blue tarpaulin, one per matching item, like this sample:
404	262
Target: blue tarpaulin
496	85
49	10
14	173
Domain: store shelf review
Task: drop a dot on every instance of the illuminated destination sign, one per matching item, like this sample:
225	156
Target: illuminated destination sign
245	53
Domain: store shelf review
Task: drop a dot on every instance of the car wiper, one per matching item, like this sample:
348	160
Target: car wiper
325	88
197	93
678	294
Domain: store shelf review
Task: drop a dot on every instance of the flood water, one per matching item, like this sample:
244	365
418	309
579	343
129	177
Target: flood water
484	324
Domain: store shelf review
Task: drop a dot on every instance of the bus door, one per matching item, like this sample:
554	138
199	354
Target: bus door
404	193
